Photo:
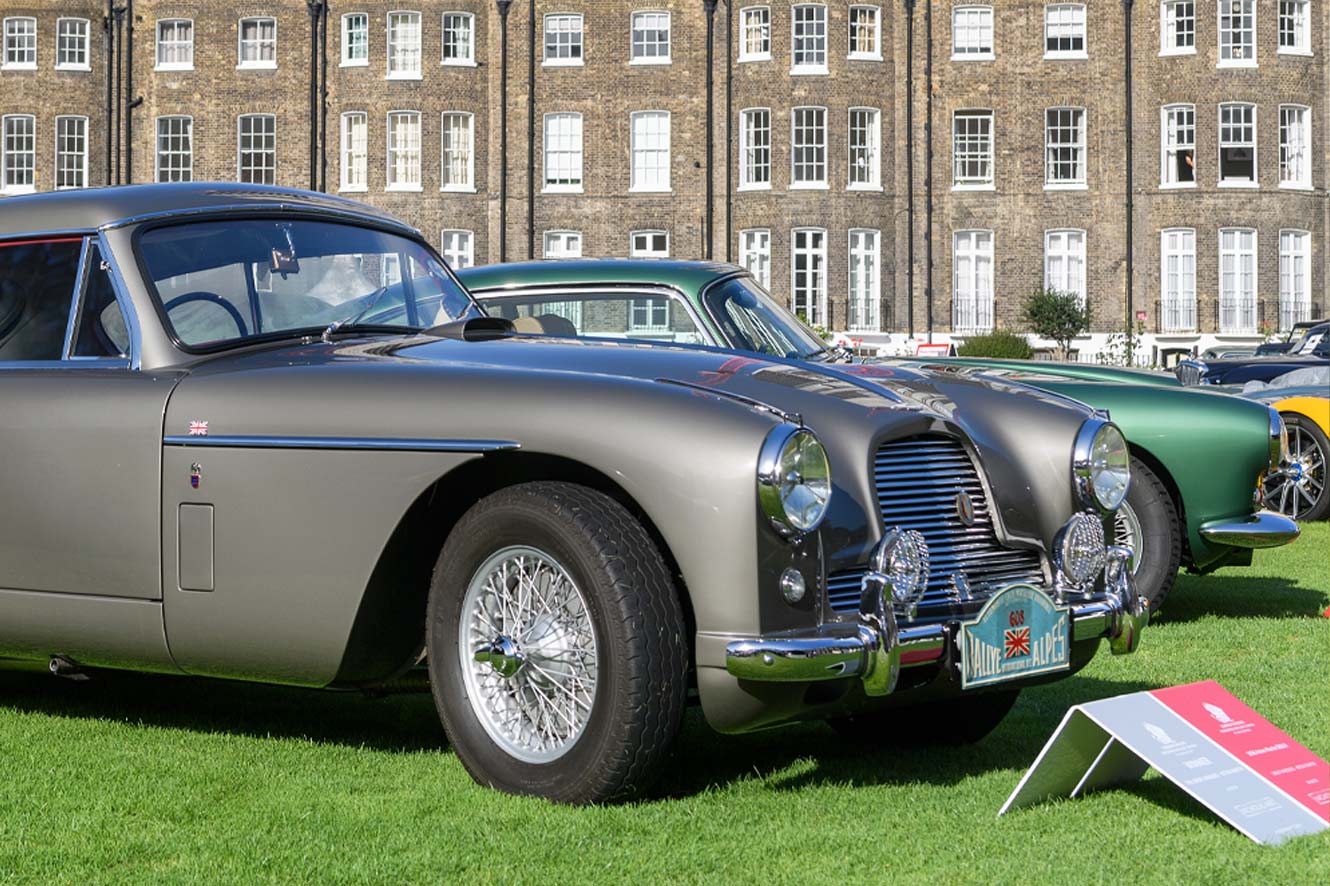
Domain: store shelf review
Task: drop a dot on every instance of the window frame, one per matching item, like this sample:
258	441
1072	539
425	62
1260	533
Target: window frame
820	184
1081	146
347	61
470	186
5	186
1255	181
564	233
1164	24
980	309
1068	54
559	188
5	63
345	148
648	232
873	298
745	166
744	55
470	248
816	315
1304	183
876	54
389	185
745	252
1185	299
1251	44
668	57
1082	291
1302	26
874	182
1166	150
404	73
804	69
556	61
160	65
970	184
1286	310
634	186
469	61
157	147
260	64
1255	278
86	64
982	55
240	152
83	171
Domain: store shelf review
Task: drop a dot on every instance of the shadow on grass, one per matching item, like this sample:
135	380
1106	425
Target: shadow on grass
1233	596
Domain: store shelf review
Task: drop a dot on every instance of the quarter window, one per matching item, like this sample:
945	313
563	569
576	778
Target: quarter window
971	32
404	151
1178	278
651	151
459	41
355	151
865	282
1178	143
20	43
808	274
1237	280
972	149
1064	30
1177	27
651	38
175	44
1237	32
403	46
1295	135
1237	144
1295	27
808	38
1295	278
865	148
258	43
808	154
563	39
755	254
258	149
355	39
563	152
71	44
18	153
1064	141
865	32
458	249
175	149
972	281
1064	263
755	34
71	152
459	157
755	148
563	244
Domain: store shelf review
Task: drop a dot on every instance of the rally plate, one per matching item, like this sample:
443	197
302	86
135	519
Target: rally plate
1018	633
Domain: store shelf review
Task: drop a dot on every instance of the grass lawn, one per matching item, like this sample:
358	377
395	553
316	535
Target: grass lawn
158	778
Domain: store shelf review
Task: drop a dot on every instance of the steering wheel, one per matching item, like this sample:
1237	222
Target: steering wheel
212	297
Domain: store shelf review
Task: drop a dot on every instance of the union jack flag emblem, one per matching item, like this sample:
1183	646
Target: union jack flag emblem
198	429
1016	643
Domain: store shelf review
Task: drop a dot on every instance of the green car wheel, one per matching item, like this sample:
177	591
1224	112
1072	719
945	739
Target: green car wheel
1148	523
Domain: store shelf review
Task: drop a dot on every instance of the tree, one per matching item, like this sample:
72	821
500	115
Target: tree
1058	316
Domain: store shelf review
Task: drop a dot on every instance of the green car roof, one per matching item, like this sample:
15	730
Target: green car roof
688	276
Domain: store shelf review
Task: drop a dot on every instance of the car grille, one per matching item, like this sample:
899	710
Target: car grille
1189	374
918	481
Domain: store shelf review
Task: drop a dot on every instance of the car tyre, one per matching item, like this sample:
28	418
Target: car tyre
955	721
601	641
1149	524
1307	497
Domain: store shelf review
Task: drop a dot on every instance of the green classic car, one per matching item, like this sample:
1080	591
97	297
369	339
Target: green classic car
1198	457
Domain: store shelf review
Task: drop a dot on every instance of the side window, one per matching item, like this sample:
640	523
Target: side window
100	330
37	281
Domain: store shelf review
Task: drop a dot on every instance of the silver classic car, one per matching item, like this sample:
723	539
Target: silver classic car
260	434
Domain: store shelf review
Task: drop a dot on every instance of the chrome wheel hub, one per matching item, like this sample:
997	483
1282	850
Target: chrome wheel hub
528	654
1303	481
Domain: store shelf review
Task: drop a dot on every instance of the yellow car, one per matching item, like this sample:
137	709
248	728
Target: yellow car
1303	492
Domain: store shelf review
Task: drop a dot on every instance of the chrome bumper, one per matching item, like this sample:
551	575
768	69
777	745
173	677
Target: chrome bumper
876	647
1264	529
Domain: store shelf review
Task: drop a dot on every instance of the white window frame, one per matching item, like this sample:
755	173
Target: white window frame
353	157
469	185
648	252
755	254
30	40
240	148
874	148
31	153
158	45
1084	51
468	60
1220	30
255	64
1244	306
982	244
761	21
86	41
458	258
390	184
1302	145
82	154
577	156
1295	288
805	68
747	169
157	148
975	9
875	55
1167	27
1058	243
1168	148
864	307
1302	28
815	315
662	184
347	60
406	72
1183	299
1254	182
633	57
557	61
811	184
564	237
1082	161
986	183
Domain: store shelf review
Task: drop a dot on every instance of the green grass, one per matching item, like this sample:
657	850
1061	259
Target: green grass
167	779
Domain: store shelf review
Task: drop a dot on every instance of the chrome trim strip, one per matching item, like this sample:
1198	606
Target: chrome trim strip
121	291
1264	529
81	363
371	444
76	299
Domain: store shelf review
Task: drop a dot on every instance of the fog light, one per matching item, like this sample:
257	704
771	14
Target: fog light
792	585
1081	550
903	559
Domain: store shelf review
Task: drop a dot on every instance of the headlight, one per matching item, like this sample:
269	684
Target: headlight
1102	465
793	480
1278	440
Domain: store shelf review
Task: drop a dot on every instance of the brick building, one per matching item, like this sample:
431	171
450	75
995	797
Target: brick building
994	131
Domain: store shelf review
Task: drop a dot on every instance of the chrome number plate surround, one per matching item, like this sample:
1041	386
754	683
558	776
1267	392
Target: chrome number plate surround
1019	633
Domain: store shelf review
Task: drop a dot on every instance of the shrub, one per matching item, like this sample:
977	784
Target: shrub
1058	316
1001	344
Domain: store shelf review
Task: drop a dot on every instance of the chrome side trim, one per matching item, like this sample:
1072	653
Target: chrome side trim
1264	529
382	444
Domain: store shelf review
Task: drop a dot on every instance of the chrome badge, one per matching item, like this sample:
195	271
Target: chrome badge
195	474
965	508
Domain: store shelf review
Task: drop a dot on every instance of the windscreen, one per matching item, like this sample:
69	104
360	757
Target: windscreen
752	321
223	282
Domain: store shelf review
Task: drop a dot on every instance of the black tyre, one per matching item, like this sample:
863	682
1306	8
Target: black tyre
1148	524
1304	494
956	721
568	601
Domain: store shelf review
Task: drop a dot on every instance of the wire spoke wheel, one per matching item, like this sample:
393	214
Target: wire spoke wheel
1302	487
528	656
1127	533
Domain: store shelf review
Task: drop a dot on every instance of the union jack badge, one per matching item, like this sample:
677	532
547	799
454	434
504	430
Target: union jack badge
198	429
1016	643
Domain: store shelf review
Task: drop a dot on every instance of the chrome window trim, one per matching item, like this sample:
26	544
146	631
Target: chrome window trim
131	317
80	363
80	276
640	290
395	444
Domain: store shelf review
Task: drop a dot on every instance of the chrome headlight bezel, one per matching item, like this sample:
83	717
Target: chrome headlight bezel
775	484
1088	466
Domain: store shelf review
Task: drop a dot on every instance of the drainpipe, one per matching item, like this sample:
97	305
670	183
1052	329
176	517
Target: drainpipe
710	6
909	166
118	114
323	97
928	166
531	131
131	102
504	6
110	80
313	7
729	134
1131	245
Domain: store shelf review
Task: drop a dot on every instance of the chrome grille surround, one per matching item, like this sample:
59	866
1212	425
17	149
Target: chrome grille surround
1190	373
919	481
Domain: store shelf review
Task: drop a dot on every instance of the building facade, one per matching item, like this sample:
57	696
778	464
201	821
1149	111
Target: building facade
885	168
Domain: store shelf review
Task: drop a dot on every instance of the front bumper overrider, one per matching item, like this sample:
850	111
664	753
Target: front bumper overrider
874	648
1264	529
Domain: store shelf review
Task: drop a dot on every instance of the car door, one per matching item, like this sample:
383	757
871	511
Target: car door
80	428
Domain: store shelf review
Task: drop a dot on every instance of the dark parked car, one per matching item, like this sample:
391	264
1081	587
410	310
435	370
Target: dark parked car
1293	341
1314	350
